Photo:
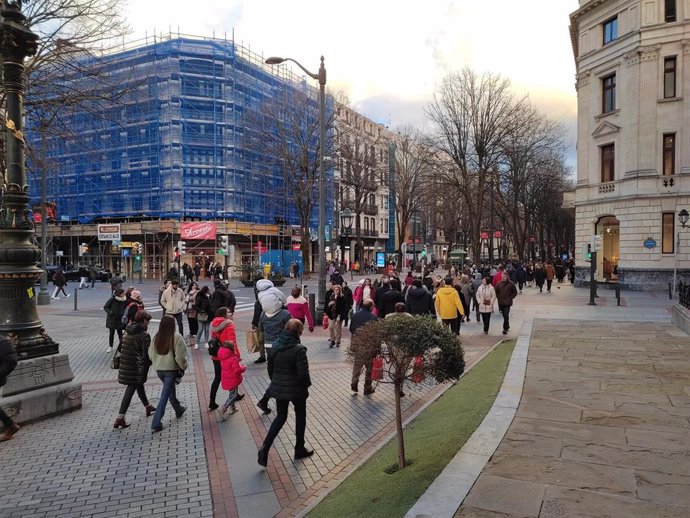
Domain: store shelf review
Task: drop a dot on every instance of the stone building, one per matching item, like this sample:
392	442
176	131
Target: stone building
633	143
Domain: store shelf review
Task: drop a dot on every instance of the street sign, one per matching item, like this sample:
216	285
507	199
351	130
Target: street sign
126	252
484	235
109	232
498	234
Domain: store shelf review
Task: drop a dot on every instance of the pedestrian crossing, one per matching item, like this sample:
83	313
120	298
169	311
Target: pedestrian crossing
243	304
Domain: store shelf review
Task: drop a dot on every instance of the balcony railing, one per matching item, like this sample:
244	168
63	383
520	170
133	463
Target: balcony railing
370	209
607	187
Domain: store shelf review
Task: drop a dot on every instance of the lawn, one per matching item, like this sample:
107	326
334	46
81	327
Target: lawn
431	441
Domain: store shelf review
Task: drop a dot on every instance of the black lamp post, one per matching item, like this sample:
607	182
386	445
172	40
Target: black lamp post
18	256
346	219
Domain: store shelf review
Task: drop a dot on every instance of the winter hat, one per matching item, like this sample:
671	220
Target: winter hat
361	282
136	295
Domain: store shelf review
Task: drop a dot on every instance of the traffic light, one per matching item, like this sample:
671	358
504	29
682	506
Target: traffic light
589	252
181	247
224	245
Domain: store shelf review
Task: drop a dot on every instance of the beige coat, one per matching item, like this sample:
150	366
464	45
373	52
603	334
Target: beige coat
486	291
173	301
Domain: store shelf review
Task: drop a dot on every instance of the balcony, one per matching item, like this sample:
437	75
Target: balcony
370	209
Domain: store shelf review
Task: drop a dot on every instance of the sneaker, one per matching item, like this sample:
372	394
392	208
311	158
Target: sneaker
262	457
206	345
353	387
331	343
109	350
181	412
196	347
68	295
221	413
233	410
369	392
505	332
239	397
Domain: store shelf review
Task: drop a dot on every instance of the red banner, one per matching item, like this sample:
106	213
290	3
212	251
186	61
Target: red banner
202	230
498	234
484	235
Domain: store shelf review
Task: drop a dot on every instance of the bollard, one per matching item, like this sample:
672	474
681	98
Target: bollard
670	291
618	294
75	299
305	291
312	306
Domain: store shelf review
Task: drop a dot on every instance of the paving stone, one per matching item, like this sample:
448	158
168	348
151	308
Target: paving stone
506	495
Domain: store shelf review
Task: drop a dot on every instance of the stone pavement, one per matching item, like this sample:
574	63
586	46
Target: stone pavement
200	467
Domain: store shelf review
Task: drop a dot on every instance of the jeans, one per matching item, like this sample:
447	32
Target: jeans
230	402
505	311
93	282
111	336
216	381
486	319
127	397
203	329
300	422
453	324
168	393
178	317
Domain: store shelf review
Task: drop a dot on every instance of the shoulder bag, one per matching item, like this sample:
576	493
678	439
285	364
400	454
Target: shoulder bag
180	372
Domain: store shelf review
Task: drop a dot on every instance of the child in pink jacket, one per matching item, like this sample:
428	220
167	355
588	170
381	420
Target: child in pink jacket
230	376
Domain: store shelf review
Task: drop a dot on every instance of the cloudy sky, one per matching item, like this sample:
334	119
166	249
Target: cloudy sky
389	55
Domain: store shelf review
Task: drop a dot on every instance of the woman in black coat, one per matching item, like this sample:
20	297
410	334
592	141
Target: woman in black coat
115	309
134	366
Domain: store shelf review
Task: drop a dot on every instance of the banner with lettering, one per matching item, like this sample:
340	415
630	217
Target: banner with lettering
199	230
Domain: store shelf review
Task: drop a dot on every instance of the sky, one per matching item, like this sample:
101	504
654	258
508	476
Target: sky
388	56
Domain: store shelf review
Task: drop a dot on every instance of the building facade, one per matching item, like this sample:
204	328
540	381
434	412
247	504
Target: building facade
633	140
177	148
362	183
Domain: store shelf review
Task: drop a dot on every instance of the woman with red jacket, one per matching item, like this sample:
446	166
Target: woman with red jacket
222	328
298	307
231	375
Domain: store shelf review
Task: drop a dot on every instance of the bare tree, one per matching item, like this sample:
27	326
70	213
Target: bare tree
414	162
285	131
472	115
360	172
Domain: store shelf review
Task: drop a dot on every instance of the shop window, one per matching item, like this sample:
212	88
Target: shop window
668	232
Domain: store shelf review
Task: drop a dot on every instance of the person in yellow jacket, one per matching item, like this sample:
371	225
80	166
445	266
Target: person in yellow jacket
448	306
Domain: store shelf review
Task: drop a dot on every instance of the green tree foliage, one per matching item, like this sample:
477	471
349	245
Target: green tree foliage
401	339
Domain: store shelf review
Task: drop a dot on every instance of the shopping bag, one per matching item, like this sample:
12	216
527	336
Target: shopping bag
325	322
252	341
418	369
377	368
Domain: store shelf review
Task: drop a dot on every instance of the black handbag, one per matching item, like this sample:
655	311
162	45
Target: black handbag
115	361
180	372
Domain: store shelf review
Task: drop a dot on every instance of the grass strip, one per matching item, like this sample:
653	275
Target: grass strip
378	489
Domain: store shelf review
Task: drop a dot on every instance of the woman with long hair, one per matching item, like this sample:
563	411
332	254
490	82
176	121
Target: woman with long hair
337	312
192	313
202	304
134	365
169	356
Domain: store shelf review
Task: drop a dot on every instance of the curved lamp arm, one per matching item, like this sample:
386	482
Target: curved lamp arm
320	77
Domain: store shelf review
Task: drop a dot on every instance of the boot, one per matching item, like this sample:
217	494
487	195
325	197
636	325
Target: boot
9	432
150	410
120	423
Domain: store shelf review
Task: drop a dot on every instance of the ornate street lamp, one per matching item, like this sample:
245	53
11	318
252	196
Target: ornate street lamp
321	78
346	219
42	384
683	217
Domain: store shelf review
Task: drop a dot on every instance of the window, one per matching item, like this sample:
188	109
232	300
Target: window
608	98
669	77
610	30
670	11
607	163
668	232
669	166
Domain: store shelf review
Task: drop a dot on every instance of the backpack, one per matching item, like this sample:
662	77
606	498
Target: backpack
125	314
213	346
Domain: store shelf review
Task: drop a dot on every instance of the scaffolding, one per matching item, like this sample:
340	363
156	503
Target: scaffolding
172	147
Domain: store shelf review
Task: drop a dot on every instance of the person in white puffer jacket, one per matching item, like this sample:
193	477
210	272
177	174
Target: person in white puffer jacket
271	298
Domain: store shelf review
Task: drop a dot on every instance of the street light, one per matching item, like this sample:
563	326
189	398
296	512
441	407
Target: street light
683	218
346	219
321	78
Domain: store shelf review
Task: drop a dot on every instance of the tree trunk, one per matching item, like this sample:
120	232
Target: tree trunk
399	426
305	246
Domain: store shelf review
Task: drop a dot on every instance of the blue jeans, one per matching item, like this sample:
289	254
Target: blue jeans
232	394
203	329
168	393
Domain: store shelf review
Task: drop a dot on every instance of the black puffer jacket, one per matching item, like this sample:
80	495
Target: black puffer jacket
202	304
387	302
420	302
134	355
8	360
114	309
288	368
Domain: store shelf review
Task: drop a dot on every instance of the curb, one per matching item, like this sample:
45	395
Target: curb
445	495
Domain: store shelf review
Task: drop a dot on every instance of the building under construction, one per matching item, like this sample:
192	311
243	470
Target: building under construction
175	146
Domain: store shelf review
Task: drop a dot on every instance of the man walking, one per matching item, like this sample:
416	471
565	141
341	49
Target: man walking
505	293
93	273
418	300
83	277
359	319
59	280
288	369
173	303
